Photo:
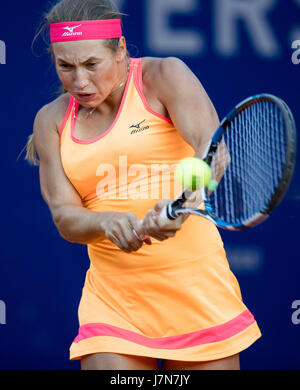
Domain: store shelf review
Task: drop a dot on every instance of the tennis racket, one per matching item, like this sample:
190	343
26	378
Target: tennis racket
252	156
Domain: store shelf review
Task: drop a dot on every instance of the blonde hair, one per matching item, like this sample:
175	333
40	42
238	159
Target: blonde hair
31	153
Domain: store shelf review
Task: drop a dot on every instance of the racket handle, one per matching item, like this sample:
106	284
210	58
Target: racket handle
169	211
164	212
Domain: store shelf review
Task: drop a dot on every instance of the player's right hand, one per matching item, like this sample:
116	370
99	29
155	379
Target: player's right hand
125	230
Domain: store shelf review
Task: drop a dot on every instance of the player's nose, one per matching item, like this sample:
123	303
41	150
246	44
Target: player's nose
81	79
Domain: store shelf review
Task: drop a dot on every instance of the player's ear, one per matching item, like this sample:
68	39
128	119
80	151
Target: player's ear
122	50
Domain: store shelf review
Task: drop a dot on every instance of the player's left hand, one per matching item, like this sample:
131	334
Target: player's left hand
159	228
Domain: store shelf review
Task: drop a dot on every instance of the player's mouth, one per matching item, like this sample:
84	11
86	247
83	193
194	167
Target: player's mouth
86	96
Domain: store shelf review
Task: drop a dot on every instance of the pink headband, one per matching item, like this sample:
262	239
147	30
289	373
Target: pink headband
87	29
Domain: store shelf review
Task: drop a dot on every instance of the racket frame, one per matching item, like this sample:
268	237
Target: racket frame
175	209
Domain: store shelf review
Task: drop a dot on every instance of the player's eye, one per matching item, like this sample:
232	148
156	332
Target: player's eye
65	66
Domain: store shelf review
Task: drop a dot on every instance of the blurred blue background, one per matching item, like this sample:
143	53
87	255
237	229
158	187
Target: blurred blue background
236	48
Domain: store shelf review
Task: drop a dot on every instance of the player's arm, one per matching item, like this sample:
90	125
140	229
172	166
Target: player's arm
74	222
193	115
190	109
187	103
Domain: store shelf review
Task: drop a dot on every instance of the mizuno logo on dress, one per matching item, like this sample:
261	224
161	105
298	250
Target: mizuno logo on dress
71	31
137	128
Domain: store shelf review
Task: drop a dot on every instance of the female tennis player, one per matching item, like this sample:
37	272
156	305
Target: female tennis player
172	296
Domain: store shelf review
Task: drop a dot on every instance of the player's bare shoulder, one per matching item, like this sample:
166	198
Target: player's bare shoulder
46	127
50	117
162	72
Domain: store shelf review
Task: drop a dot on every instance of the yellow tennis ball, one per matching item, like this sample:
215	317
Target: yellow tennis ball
193	173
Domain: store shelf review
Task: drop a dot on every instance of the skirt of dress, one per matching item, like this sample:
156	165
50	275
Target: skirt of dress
189	310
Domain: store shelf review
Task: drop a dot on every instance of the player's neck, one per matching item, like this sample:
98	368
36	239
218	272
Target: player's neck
112	103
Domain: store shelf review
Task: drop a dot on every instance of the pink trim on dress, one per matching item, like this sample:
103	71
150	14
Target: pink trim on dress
66	115
205	336
90	141
138	81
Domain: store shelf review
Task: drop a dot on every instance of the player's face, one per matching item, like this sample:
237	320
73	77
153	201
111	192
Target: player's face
88	70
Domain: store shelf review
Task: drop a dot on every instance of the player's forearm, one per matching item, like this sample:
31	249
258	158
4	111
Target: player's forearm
79	225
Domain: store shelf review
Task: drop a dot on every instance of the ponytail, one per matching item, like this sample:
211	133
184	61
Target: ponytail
31	154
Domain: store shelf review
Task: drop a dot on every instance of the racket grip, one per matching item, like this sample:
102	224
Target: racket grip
169	211
164	212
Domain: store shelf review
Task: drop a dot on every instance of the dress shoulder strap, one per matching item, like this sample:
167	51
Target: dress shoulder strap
67	115
138	72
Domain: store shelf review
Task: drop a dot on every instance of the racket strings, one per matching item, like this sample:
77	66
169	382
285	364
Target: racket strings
255	147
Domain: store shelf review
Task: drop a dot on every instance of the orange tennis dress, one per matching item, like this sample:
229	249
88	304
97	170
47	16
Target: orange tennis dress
176	299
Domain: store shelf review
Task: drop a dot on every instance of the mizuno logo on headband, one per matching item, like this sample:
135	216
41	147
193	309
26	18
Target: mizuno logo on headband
71	32
70	29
